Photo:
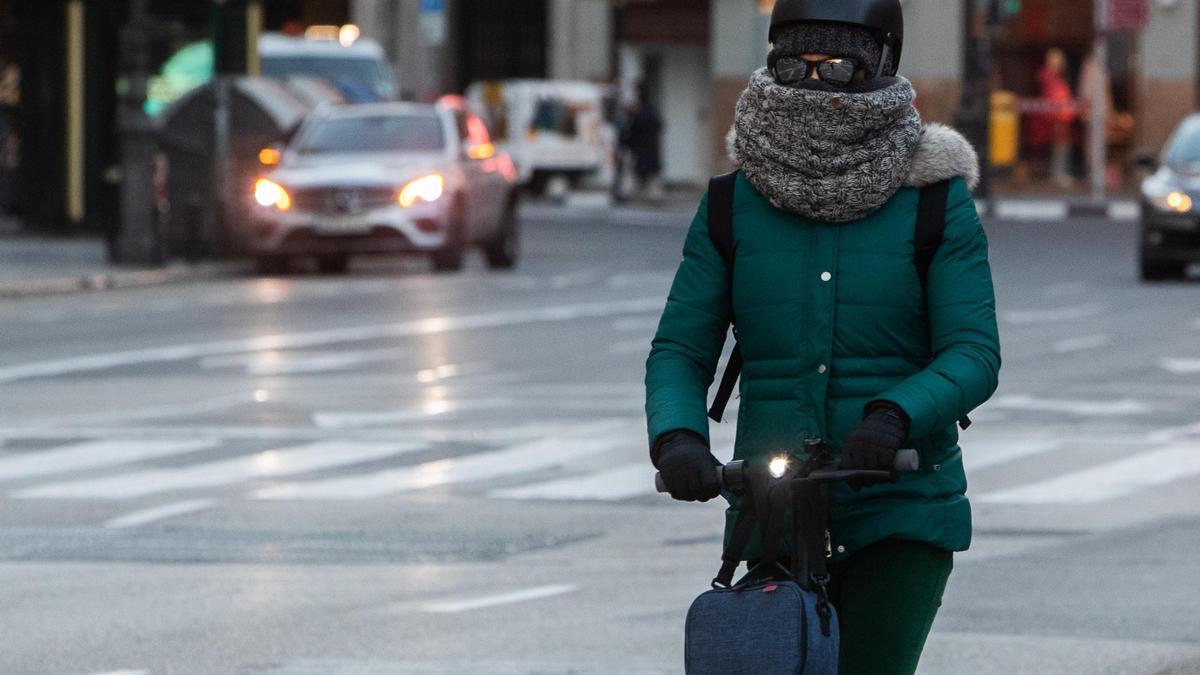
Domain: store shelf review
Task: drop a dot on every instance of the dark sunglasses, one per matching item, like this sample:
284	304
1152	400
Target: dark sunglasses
838	71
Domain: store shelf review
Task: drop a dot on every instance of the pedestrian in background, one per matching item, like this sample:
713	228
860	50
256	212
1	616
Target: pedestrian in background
643	137
1056	94
841	340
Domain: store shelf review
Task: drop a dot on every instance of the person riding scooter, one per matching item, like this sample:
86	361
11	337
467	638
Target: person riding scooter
845	335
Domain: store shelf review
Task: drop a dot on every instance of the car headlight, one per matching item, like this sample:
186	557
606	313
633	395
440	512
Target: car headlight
269	193
1172	202
427	189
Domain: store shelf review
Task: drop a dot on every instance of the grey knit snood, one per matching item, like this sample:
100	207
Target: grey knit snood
833	156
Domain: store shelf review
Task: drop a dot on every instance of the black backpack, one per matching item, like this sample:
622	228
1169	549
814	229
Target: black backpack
931	228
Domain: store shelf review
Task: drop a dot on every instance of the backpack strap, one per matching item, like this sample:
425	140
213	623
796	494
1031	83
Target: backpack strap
931	231
931	227
720	231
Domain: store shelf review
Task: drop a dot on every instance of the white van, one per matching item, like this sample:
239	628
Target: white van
360	71
552	129
355	73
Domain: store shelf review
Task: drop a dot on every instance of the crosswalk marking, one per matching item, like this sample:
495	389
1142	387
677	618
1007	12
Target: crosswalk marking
542	454
468	604
295	363
273	463
1107	481
1123	406
1180	366
622	482
1083	343
156	513
984	454
427	410
1053	315
94	455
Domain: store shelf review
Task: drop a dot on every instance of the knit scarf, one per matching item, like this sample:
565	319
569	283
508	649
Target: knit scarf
826	154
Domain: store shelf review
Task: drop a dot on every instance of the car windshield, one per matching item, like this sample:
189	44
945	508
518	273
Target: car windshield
360	80
375	133
1184	148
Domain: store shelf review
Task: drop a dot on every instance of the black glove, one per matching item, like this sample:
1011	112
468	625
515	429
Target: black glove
873	444
688	468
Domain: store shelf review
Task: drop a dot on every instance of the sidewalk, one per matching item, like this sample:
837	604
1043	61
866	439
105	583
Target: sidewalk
1040	208
32	266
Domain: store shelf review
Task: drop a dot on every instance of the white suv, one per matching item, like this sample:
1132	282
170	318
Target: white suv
386	178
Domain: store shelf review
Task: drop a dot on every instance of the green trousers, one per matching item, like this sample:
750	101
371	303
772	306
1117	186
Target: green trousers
887	596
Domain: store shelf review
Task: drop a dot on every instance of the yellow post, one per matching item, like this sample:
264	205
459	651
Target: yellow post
253	30
75	111
1006	129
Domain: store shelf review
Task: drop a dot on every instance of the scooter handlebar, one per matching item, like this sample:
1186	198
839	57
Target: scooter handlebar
662	486
907	461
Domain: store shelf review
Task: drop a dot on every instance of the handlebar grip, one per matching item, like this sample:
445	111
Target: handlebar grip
662	487
907	461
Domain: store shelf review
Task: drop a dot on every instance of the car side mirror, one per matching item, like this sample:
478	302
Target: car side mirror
1147	161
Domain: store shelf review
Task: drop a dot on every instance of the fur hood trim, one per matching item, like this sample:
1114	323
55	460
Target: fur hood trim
942	154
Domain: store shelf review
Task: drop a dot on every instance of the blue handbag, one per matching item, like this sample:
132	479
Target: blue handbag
775	620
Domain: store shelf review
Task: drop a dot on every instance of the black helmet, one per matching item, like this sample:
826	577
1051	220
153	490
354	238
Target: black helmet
884	18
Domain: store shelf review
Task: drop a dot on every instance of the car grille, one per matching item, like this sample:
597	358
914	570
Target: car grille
343	200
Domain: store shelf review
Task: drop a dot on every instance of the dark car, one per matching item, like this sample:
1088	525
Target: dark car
1171	206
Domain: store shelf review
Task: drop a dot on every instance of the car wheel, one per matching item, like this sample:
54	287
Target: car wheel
449	258
272	265
1159	270
504	249
333	264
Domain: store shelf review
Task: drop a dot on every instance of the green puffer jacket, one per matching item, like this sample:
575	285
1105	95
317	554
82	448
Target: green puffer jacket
829	318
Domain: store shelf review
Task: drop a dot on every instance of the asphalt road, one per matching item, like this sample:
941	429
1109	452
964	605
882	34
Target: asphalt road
396	472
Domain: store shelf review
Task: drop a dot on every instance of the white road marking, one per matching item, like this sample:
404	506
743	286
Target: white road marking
1082	343
156	513
1066	289
428	410
978	455
1039	210
94	455
1124	406
609	485
468	604
1180	366
1107	481
640	280
123	672
269	464
636	324
155	412
630	347
1053	315
1124	211
1173	434
542	454
290	363
419	327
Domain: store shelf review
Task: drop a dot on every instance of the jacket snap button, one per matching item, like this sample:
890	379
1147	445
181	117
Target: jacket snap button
826	276
841	549
822	368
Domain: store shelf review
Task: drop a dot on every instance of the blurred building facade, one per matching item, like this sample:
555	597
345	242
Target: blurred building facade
693	56
62	68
